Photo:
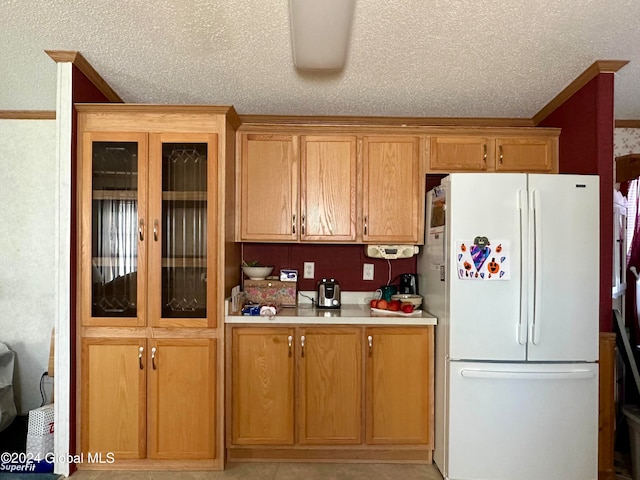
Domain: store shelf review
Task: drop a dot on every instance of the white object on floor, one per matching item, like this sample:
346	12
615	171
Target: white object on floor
40	432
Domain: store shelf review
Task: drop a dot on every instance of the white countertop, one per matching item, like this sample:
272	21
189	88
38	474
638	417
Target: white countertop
349	314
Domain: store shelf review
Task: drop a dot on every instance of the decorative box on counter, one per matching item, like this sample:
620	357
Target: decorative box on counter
271	291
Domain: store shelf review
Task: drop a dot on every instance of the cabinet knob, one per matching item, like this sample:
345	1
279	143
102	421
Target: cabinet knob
365	224
501	155
370	341
141	229
140	351
290	341
153	358
484	156
302	346
293	224
155	230
303	224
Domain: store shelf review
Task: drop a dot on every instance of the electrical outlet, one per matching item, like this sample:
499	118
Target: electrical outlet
309	270
367	271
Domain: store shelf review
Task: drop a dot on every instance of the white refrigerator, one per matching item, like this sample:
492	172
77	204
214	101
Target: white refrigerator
511	270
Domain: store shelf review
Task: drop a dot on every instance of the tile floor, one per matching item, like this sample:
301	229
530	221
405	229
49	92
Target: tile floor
281	471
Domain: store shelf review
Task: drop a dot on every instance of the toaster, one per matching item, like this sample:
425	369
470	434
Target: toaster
328	294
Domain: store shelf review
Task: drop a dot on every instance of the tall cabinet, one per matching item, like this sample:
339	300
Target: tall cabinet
153	188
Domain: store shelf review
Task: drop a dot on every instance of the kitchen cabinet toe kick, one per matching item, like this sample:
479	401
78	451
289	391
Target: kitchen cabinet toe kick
355	454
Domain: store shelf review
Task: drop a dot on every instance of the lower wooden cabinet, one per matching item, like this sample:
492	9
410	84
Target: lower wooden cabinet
262	386
181	399
263	383
399	377
330	386
150	398
114	397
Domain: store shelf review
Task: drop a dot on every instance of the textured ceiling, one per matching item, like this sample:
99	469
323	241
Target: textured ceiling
427	58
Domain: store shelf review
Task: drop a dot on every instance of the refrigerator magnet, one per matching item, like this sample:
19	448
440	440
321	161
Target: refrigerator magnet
483	260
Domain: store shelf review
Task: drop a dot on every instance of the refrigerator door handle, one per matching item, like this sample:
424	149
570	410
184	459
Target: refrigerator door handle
576	374
522	321
535	261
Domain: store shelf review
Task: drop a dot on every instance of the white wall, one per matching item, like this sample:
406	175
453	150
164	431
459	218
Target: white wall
28	176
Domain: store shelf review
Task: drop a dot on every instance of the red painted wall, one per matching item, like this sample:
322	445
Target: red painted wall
586	147
342	262
82	91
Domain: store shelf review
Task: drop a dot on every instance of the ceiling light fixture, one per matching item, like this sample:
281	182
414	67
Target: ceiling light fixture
320	31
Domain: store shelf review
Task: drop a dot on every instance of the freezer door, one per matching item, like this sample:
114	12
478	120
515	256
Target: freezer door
564	244
487	318
525	422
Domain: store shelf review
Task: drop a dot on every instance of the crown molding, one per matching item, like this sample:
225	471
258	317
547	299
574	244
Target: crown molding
27	114
596	68
69	56
355	121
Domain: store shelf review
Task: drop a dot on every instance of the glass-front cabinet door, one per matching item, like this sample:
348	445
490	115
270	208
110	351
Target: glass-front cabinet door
182	198
113	226
146	221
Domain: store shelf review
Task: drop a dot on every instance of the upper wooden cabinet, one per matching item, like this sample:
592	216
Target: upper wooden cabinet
269	187
449	153
319	188
328	188
298	188
393	190
365	184
531	154
515	150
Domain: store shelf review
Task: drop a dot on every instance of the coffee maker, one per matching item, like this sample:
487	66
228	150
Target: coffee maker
408	283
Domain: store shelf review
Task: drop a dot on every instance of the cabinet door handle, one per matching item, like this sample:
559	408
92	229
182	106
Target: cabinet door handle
500	159
140	351
370	341
302	345
141	230
303	222
293	224
290	341
155	230
153	358
365	224
484	156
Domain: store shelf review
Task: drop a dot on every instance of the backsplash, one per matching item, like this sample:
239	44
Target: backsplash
344	263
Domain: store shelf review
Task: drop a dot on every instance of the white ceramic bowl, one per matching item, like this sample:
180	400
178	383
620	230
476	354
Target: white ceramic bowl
415	300
257	273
